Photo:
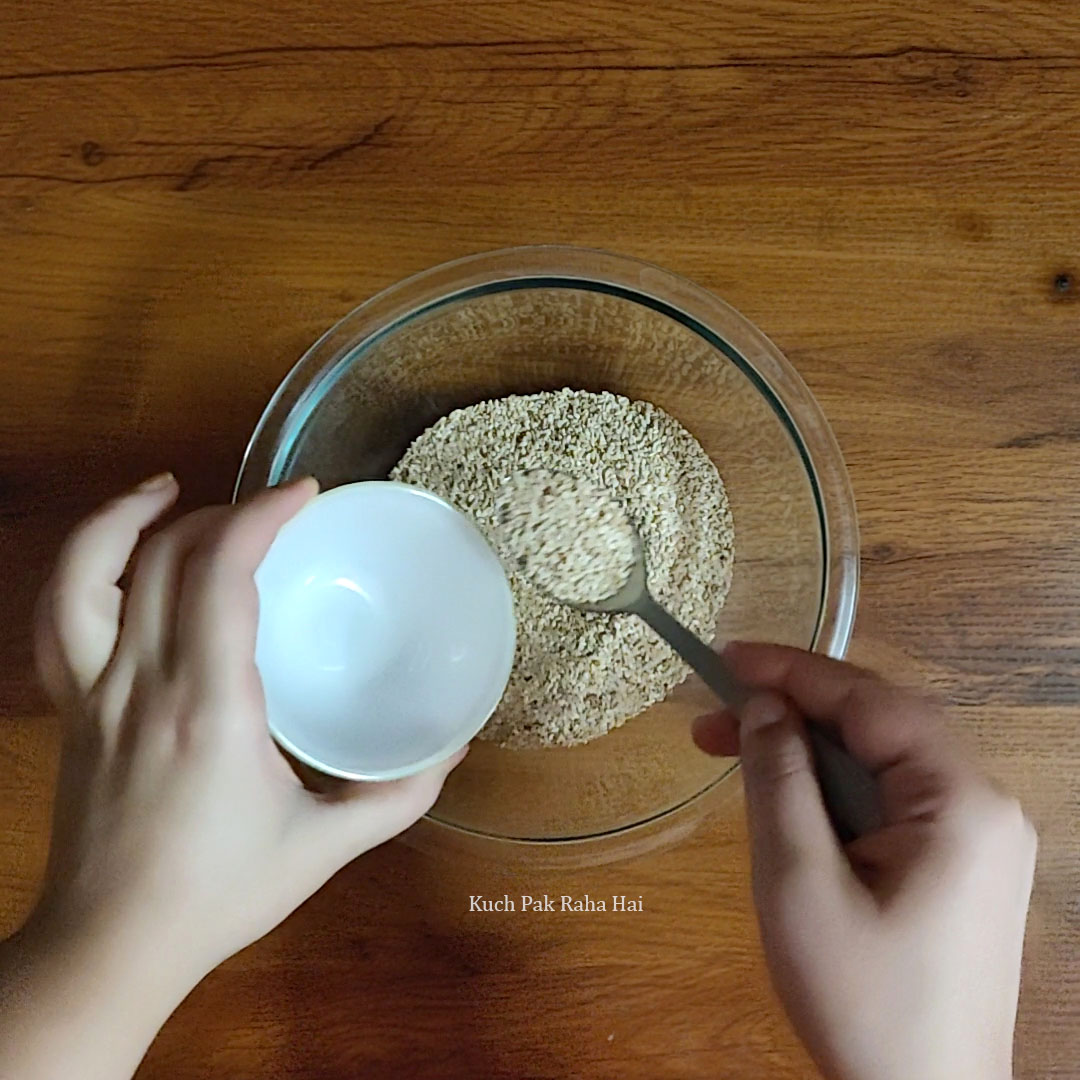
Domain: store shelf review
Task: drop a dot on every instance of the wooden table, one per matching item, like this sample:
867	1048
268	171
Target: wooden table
190	193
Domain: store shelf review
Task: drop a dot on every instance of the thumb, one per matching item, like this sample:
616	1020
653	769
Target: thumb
367	814
789	826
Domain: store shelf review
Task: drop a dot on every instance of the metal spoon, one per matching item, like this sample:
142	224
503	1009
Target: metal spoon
848	789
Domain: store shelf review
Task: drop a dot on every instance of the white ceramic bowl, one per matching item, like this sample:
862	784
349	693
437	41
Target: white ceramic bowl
386	631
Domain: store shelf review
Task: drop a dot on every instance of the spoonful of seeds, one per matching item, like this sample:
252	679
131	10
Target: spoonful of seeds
576	542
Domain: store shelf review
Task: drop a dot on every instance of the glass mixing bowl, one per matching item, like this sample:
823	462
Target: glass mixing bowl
528	319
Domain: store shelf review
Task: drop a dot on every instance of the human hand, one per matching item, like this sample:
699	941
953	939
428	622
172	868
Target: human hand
896	957
179	827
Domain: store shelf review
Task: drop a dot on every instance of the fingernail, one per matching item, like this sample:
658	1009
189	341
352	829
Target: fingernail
300	481
761	711
718	714
157	483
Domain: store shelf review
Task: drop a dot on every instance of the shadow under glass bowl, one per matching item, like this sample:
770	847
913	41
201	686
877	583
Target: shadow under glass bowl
523	320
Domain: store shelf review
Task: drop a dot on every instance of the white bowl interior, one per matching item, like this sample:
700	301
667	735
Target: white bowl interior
386	631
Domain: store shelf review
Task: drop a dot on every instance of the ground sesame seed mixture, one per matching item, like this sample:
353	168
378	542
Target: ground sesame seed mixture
578	675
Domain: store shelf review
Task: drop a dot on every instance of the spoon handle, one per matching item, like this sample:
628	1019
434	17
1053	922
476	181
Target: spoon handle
848	789
710	665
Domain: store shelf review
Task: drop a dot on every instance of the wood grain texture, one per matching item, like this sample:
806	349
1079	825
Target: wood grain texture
189	194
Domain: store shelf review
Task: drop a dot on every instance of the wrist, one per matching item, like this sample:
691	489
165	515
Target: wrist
80	999
145	974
